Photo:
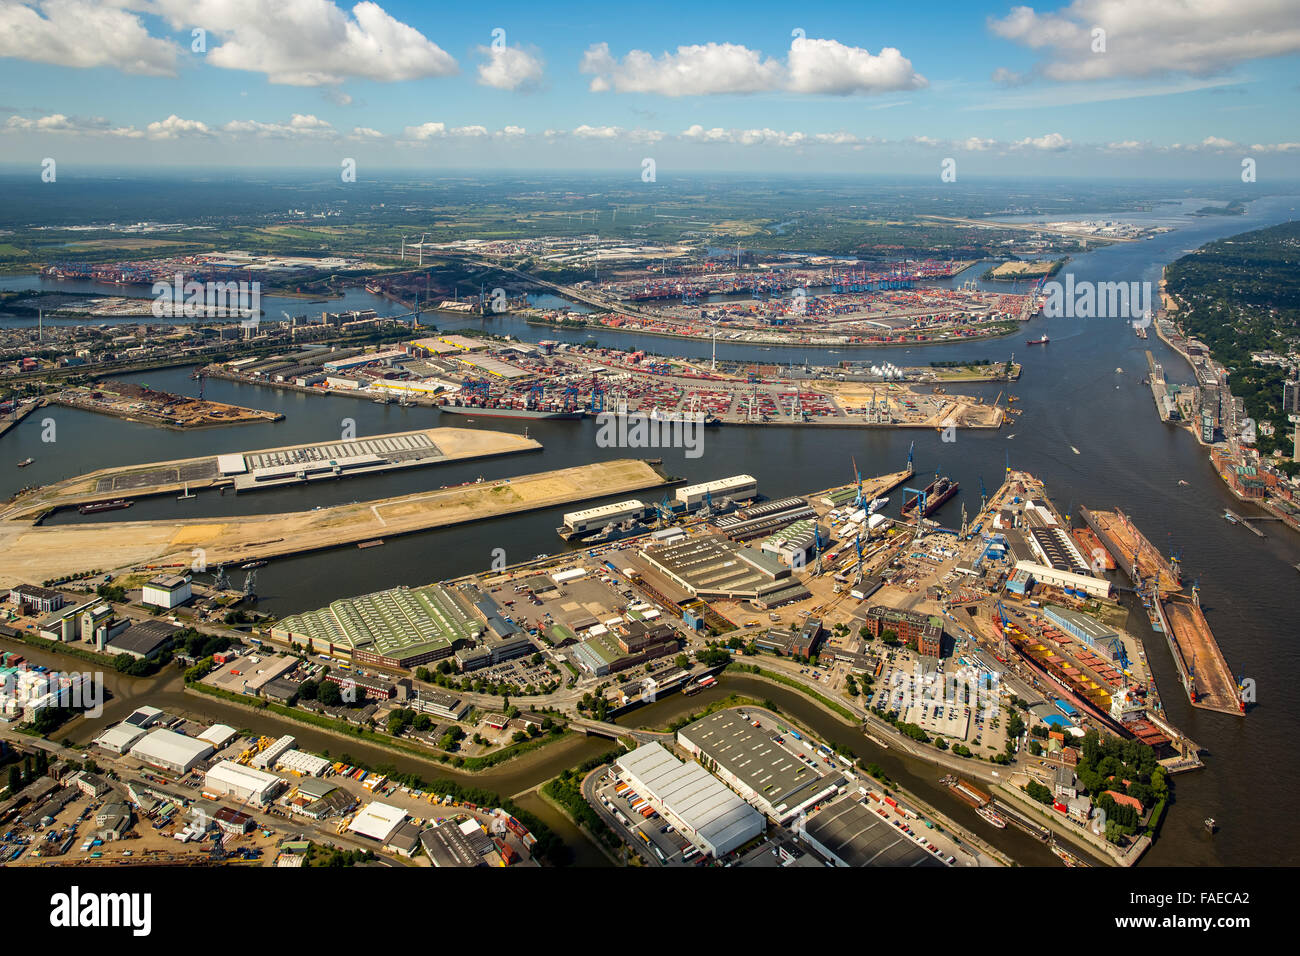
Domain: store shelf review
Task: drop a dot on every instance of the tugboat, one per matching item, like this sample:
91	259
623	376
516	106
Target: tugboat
1211	825
251	565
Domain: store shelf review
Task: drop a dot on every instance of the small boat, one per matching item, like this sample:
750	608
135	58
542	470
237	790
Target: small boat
251	565
1182	483
25	462
992	818
1119	371
1231	518
1211	825
1011	436
1075	450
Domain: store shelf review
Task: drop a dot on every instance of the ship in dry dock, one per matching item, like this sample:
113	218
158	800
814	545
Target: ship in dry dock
935	494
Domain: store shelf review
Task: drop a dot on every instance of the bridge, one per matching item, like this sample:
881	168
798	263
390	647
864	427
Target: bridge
600	728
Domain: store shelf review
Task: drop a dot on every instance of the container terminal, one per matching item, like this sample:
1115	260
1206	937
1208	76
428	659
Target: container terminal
551	380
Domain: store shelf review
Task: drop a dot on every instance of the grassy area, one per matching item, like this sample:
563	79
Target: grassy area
802	688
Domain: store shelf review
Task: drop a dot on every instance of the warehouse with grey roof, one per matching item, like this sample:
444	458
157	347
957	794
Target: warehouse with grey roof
691	799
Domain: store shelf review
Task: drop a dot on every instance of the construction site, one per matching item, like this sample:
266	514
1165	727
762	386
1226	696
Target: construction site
140	403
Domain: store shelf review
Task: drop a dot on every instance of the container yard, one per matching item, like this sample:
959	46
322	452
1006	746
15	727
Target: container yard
562	381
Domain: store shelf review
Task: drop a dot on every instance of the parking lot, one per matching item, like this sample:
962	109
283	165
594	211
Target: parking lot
648	832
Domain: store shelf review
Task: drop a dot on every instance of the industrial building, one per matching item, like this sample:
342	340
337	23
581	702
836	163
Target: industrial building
691	799
594	519
847	832
219	735
400	628
34	599
245	784
168	750
1096	635
714	567
377	821
926	630
1083	583
142	639
755	766
268	757
439	704
166	591
630	644
739	487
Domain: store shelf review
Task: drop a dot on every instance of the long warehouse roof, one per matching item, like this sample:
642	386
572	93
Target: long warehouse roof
691	793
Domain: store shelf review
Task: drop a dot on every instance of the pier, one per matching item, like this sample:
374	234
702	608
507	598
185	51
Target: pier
274	467
45	552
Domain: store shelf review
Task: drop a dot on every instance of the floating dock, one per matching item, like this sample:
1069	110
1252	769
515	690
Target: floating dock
1133	553
1205	674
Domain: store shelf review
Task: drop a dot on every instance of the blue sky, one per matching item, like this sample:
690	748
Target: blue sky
870	87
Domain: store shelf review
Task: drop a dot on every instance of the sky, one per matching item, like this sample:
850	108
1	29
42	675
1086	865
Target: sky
1098	88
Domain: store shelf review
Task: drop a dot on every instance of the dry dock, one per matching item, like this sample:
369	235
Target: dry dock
274	467
1137	556
1205	673
39	553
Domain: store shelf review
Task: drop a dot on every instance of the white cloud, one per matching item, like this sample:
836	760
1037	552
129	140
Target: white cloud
365	132
426	131
1151	37
59	123
1275	147
743	137
310	42
976	145
1126	146
511	132
509	68
828	66
1049	142
813	67
83	33
300	125
173	127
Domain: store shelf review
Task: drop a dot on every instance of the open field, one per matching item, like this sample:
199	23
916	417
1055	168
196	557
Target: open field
39	553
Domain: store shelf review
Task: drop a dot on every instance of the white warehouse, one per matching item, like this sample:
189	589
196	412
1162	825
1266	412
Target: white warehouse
229	779
737	486
698	804
594	519
169	750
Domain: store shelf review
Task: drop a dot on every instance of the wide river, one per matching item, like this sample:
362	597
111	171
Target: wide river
1081	392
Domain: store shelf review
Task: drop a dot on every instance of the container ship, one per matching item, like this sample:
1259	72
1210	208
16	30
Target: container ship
95	507
507	412
936	493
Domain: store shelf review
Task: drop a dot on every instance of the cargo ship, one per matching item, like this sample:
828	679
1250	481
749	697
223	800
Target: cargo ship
95	507
1042	341
936	493
507	412
967	791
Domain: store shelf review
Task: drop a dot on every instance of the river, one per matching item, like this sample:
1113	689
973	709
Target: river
1072	396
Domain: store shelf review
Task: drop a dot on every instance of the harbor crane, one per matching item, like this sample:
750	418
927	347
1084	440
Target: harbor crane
911	448
857	478
984	495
